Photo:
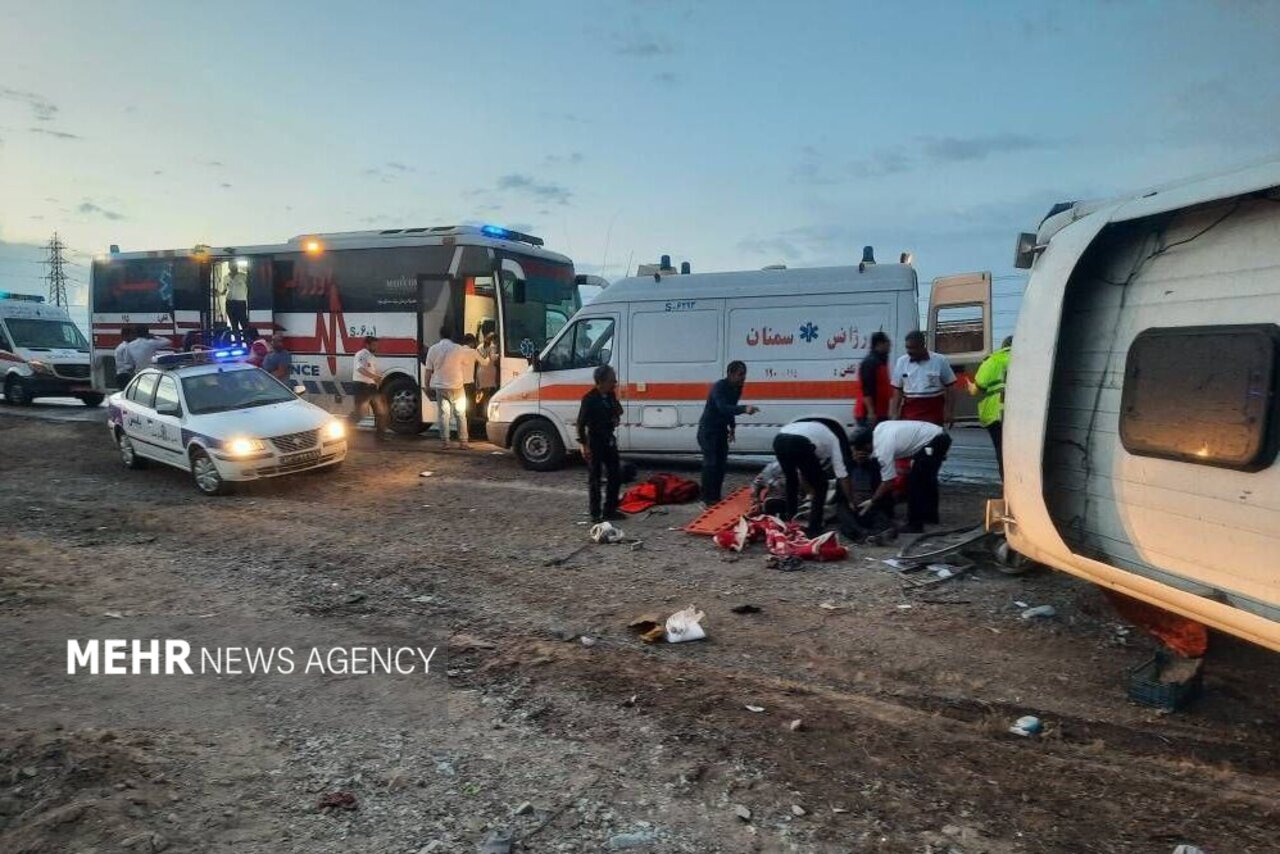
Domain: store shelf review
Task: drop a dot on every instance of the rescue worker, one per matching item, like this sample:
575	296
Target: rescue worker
926	445
598	417
804	449
124	362
486	372
989	382
456	375
876	396
143	348
445	385
366	376
237	287
922	384
279	362
716	428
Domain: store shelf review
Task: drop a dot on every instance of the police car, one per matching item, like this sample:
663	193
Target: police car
222	420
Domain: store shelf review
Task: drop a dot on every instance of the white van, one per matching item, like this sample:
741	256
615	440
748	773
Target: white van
42	352
1143	408
801	332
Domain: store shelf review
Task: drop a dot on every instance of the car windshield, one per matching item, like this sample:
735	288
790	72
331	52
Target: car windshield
226	390
46	334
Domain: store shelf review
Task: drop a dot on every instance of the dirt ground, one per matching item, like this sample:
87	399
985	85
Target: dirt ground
904	699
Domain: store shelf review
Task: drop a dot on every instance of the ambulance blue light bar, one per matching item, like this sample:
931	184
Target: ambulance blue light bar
500	233
200	357
22	297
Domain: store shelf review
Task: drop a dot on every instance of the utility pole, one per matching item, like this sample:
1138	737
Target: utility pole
56	277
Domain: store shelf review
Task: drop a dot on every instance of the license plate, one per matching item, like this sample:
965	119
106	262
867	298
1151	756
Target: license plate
304	457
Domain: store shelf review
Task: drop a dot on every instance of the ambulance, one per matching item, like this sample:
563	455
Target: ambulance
42	352
669	335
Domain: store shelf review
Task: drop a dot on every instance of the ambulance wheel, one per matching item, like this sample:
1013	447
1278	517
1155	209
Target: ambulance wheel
404	406
537	444
205	474
128	454
15	392
90	399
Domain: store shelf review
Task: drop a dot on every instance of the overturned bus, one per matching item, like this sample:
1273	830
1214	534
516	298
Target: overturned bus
1141	421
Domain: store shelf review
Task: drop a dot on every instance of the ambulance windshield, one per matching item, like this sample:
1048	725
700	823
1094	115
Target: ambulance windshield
537	302
35	334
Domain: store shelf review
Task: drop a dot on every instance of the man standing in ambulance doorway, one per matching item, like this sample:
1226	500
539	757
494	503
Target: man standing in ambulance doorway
922	384
717	426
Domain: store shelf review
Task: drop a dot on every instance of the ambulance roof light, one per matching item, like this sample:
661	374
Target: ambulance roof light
499	233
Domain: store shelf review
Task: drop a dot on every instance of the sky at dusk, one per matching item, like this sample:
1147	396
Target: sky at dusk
732	135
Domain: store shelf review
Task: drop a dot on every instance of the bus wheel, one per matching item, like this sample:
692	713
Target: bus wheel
537	444
90	399
15	392
404	406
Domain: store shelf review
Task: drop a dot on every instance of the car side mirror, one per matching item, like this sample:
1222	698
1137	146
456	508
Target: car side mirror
299	389
172	409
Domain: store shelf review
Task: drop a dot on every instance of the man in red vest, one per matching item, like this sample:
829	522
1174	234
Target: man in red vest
872	405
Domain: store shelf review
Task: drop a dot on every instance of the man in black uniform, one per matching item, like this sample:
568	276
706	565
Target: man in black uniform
598	417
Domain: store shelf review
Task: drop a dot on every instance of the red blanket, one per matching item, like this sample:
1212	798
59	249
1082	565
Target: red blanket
781	539
659	489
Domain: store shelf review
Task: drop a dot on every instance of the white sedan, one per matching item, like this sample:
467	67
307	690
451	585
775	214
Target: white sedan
222	422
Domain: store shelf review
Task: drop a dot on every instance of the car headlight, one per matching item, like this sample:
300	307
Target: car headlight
335	430
244	447
39	367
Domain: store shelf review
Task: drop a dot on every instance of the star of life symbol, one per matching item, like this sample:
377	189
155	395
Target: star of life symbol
526	348
809	332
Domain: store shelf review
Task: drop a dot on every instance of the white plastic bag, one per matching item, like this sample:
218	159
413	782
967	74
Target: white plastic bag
685	625
605	533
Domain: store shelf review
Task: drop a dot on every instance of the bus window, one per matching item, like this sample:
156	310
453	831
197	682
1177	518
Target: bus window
538	298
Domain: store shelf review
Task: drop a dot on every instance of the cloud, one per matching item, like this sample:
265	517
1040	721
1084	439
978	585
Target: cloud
398	167
216	164
56	134
816	170
224	185
951	149
571	159
666	78
642	46
385	176
541	190
88	207
42	109
885	161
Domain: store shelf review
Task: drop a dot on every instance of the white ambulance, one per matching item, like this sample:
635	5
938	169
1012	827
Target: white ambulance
42	352
669	336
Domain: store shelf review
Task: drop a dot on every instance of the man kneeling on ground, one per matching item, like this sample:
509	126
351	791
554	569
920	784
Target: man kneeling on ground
804	449
926	446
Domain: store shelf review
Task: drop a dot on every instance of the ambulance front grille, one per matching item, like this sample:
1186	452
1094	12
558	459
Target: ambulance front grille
291	442
72	372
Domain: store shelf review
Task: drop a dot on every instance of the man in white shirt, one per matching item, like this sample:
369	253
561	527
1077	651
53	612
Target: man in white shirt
922	384
143	348
926	445
450	368
366	377
237	285
803	449
124	362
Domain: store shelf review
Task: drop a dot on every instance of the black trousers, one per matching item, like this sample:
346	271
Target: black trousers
238	315
922	482
799	458
122	378
367	393
605	466
715	458
996	431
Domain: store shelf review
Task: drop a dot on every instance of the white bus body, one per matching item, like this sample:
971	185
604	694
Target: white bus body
325	292
801	332
1141	421
42	352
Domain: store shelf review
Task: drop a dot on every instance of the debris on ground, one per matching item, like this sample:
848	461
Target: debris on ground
746	609
685	625
338	801
796	725
604	533
1039	611
756	709
497	842
1027	725
742	812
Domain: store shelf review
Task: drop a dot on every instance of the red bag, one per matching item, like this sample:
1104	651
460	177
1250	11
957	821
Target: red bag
659	489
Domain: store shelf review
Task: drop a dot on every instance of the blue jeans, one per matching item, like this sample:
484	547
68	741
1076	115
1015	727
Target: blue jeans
455	400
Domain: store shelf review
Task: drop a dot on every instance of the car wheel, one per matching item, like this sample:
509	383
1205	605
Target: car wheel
128	453
90	399
404	406
15	392
205	474
537	444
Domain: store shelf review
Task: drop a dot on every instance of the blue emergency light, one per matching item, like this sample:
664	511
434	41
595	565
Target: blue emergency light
229	354
499	233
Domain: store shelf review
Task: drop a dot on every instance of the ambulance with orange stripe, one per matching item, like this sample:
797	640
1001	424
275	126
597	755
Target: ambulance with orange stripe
669	336
42	352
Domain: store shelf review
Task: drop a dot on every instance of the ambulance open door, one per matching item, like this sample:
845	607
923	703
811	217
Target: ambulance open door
959	327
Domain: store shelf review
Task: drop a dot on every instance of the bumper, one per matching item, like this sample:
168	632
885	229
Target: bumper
40	385
497	432
277	465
